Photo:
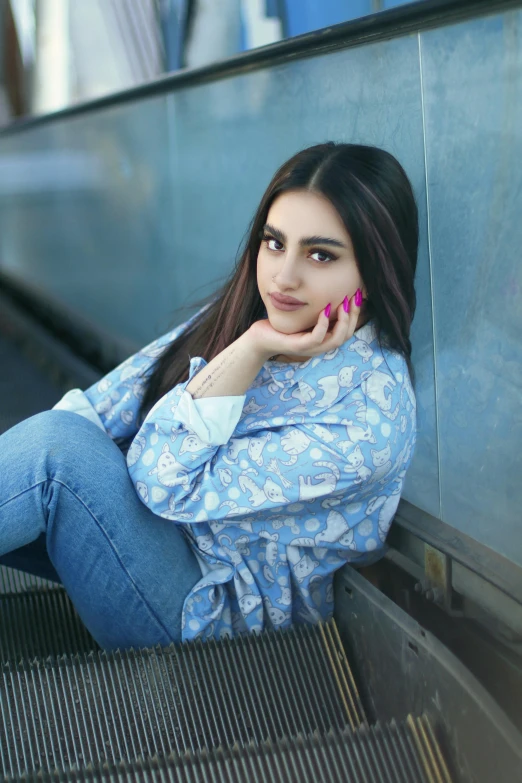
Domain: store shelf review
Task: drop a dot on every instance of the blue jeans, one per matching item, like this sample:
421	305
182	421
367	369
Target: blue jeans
127	571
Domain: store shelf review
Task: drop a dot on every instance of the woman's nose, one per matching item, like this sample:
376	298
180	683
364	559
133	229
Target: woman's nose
288	274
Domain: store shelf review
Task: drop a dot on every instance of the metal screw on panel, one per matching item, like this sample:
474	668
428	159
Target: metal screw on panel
434	594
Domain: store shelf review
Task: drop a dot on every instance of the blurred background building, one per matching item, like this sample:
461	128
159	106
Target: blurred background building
54	53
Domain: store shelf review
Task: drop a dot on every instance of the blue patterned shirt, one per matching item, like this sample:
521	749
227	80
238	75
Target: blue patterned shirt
308	480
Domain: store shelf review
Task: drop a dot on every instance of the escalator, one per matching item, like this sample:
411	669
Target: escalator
183	713
350	700
419	676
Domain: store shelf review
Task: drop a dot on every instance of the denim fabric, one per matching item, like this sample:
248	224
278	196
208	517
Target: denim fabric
33	559
126	570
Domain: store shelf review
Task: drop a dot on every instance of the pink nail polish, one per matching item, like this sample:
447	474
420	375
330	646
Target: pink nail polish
327	309
346	304
358	298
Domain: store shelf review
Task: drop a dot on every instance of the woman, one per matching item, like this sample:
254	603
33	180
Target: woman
230	491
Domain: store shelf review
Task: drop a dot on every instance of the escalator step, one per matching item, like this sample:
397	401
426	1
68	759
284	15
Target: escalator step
106	706
393	753
38	619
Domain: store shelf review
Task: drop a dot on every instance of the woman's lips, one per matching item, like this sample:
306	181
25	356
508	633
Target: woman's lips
285	305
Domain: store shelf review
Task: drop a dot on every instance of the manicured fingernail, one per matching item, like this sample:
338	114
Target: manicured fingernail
327	309
358	298
346	304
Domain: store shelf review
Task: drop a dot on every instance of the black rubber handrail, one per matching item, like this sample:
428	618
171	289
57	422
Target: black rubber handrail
392	23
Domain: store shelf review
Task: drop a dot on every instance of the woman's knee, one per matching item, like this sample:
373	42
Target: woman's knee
63	441
52	425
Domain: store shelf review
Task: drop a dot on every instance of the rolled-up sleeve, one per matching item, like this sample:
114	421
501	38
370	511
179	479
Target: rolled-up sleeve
76	401
212	419
113	402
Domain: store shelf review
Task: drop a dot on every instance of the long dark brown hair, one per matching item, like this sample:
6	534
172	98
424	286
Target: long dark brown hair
373	197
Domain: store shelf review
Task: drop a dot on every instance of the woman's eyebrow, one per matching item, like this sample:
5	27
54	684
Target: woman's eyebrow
317	240
305	241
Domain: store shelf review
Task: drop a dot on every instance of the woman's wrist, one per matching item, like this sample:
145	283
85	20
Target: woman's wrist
260	351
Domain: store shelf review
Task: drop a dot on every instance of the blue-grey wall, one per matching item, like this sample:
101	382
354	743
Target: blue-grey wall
124	213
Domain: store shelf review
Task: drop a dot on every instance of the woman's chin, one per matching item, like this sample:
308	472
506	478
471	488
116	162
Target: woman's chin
286	325
289	322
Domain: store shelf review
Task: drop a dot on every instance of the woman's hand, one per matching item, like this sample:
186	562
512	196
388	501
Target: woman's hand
267	341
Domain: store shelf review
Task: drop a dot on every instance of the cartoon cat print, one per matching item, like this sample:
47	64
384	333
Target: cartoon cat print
252	407
247	603
362	348
379	387
235	447
277	616
356	433
176	511
192	444
285	599
168	470
258	495
381	460
331	385
294	443
279	522
310	478
135	450
327	482
355	464
304	567
324	433
303	393
387	506
336	525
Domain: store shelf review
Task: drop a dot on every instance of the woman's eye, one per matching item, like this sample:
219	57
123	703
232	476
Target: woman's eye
272	243
324	258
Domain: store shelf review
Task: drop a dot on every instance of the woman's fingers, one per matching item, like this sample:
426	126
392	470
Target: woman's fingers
319	339
346	323
320	330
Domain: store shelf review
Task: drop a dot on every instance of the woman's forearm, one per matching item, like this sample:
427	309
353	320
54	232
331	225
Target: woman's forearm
230	373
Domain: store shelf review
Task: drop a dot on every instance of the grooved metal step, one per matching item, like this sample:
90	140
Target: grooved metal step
393	753
38	619
83	708
277	706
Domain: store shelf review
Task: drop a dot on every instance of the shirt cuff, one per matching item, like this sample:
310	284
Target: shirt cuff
75	401
212	419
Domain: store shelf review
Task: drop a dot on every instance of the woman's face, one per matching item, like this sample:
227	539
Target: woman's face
309	254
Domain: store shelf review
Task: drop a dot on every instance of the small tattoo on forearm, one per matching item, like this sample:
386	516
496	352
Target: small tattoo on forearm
209	381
